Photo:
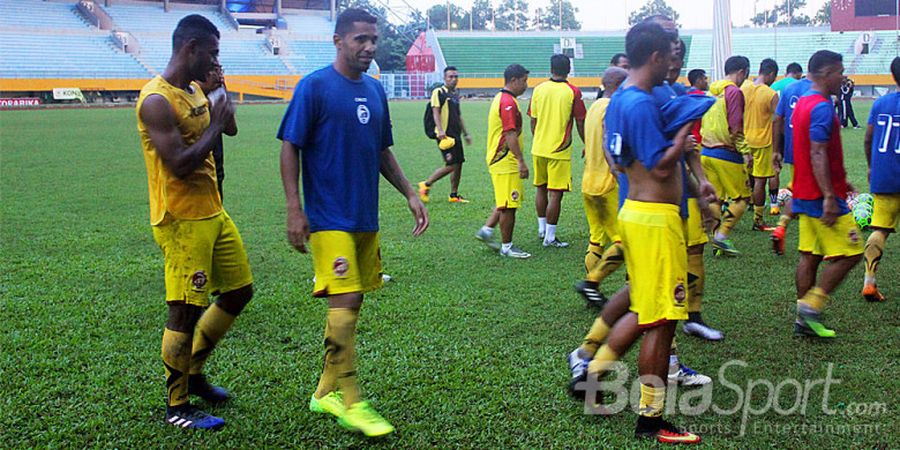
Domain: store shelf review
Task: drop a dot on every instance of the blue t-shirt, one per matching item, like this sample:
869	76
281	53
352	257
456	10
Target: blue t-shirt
341	127
679	89
821	122
885	121
662	93
634	132
786	103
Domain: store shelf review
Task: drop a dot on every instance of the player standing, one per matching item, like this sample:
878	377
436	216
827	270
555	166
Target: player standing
760	102
882	146
505	161
724	154
555	105
203	250
448	123
214	80
340	122
792	74
827	230
656	257
783	151
601	197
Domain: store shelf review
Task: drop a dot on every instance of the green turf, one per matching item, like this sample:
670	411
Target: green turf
464	349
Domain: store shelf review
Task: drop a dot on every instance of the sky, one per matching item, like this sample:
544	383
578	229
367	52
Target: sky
606	15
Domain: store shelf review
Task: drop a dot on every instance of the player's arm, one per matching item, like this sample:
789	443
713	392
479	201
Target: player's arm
512	141
579	112
231	128
162	127
297	223
867	146
668	163
705	189
579	124
777	141
818	154
392	172
734	106
436	113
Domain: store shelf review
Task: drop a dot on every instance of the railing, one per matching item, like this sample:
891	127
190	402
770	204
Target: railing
408	85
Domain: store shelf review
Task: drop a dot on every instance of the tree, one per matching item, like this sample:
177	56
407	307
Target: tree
652	8
481	14
548	19
823	15
786	13
437	16
511	15
392	42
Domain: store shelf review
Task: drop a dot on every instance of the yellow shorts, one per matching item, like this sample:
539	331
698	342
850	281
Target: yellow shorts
841	239
762	162
507	190
346	262
730	179
203	257
556	174
887	211
656	260
696	235
601	212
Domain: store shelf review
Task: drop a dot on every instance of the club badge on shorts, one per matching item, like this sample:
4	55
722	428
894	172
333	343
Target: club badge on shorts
198	280
341	266
514	195
680	293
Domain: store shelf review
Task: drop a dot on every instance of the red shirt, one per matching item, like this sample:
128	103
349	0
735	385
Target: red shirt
695	131
805	185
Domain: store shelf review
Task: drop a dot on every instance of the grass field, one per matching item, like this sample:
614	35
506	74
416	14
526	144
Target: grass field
463	349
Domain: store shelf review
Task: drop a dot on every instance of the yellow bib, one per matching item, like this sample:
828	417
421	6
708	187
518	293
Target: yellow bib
195	196
714	127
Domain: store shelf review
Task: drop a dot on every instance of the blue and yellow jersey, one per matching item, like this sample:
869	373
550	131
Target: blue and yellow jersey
555	104
885	121
195	196
341	127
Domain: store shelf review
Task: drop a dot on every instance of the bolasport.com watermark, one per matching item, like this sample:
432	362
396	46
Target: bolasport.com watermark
748	399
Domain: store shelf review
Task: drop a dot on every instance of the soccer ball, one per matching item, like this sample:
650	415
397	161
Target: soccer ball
866	198
862	215
784	196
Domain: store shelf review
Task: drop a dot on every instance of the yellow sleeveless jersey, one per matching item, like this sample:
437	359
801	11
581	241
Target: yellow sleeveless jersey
714	126
597	178
555	105
196	196
758	113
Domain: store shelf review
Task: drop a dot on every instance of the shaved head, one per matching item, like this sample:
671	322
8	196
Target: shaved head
613	77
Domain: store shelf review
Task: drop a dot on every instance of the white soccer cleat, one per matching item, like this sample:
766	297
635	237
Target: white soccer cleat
702	330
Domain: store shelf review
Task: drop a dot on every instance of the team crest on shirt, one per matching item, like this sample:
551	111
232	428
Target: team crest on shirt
680	293
198	280
362	113
198	111
854	236
341	266
514	195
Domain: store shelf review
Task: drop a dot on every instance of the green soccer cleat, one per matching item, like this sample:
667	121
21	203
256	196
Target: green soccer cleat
332	403
809	323
361	417
724	247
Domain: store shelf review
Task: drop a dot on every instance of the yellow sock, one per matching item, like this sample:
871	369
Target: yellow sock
733	215
604	358
815	298
595	337
210	328
176	356
784	220
592	257
696	282
652	401
874	250
612	259
758	213
340	355
716	209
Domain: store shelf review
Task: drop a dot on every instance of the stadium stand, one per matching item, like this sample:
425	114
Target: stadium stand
151	18
91	55
309	24
307	56
40	15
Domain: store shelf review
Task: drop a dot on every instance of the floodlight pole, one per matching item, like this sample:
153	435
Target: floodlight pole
448	15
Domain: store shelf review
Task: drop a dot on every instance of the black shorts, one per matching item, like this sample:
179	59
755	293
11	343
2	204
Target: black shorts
455	154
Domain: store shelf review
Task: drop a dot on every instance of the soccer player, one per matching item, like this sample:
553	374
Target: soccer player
724	156
448	123
882	147
601	197
845	104
505	161
783	151
699	81
655	256
620	60
202	247
792	74
827	230
339	122
760	102
555	105
214	80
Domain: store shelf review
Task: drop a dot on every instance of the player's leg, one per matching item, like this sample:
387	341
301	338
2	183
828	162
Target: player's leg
762	172
885	219
457	160
580	358
486	233
507	226
540	195
602	212
695	325
232	277
508	198
774	183
559	181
